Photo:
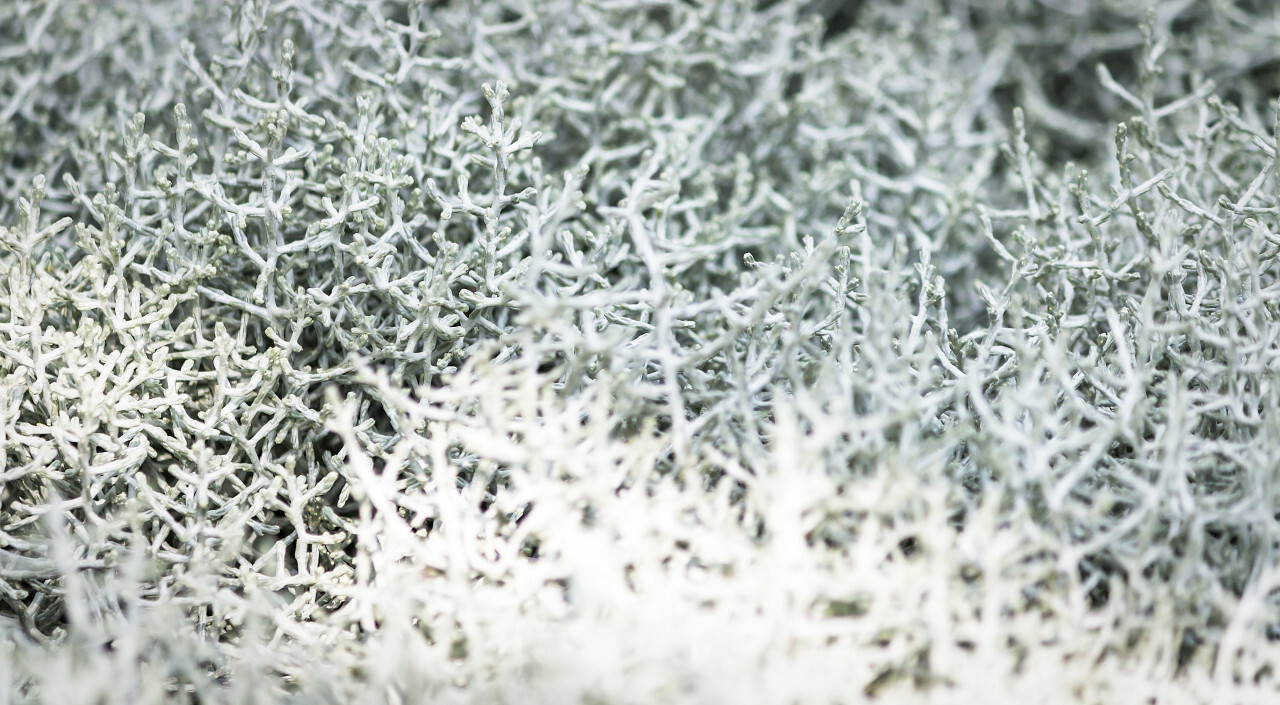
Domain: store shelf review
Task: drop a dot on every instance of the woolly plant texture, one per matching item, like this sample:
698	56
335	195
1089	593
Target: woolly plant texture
639	351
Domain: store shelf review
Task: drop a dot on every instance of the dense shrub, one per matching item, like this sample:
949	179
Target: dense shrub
622	351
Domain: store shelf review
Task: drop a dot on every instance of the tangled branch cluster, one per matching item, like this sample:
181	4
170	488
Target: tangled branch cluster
638	351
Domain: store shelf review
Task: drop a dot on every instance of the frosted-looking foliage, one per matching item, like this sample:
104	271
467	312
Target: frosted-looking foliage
639	351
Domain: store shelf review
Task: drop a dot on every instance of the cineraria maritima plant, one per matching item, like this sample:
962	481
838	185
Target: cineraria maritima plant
638	351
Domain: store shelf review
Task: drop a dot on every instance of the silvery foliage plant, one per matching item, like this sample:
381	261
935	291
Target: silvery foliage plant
639	351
